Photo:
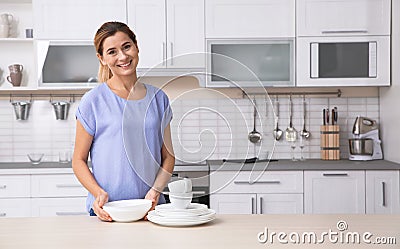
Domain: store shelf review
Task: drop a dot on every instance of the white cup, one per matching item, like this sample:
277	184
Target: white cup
180	186
180	200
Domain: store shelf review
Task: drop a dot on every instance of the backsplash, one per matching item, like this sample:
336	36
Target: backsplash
201	128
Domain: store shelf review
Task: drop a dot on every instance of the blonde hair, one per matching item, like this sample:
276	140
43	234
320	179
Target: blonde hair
106	30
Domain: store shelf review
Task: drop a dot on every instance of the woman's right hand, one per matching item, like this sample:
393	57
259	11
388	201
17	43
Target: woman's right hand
98	203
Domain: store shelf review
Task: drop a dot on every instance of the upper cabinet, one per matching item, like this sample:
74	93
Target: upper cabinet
170	33
250	18
74	19
343	17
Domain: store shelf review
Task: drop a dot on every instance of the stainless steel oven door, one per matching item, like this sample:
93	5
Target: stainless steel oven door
200	185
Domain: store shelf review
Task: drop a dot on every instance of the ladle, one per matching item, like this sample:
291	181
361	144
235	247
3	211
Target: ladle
304	133
254	136
277	133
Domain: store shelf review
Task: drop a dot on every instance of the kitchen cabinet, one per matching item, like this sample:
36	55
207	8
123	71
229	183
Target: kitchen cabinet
169	32
16	49
256	192
382	192
343	17
15	207
334	192
58	206
233	203
250	19
55	194
14	196
74	19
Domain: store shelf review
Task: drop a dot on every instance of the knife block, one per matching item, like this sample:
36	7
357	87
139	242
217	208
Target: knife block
330	148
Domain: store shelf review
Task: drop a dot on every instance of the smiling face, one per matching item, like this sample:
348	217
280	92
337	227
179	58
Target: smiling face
120	54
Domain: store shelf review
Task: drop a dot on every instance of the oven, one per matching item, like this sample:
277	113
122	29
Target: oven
199	175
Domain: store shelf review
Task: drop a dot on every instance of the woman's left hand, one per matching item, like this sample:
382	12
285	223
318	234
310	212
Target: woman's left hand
152	195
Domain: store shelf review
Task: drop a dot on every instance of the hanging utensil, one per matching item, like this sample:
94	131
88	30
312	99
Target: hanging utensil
254	136
291	133
304	133
277	132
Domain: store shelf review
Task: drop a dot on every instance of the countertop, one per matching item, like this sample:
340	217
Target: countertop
226	231
311	164
217	165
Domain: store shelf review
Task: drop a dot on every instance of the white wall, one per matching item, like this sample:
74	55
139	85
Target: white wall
390	97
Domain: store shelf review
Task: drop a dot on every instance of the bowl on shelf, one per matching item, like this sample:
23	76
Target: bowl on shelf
35	158
127	210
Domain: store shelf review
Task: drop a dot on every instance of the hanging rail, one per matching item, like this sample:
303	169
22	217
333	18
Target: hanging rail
338	93
32	95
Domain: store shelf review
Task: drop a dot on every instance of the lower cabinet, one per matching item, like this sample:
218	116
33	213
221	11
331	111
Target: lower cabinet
382	192
330	192
257	203
28	195
15	207
271	192
58	206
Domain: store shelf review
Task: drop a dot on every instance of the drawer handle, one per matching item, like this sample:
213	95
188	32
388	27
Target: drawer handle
3	214
70	213
344	31
259	182
194	192
68	186
3	186
335	174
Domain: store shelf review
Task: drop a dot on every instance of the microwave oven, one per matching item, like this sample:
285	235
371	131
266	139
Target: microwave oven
66	64
343	61
250	63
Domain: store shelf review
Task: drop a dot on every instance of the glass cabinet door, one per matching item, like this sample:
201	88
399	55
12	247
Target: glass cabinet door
265	63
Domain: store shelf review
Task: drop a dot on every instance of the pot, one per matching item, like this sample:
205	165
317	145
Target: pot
21	109
61	109
361	146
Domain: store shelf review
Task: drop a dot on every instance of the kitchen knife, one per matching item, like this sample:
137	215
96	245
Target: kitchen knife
327	116
336	115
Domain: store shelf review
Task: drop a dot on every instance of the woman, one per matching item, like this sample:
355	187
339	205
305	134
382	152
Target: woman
124	125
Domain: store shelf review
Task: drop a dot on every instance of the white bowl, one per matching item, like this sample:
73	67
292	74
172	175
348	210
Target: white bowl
127	210
180	200
35	158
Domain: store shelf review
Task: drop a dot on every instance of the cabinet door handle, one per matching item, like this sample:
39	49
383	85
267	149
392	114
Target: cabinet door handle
383	194
261	201
68	186
357	31
259	182
335	174
172	53
164	52
3	214
3	186
252	205
70	213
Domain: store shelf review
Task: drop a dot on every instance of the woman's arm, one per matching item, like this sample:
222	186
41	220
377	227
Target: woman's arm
167	166
83	142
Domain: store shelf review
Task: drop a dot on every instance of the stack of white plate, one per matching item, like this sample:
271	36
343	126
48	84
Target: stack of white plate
168	215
